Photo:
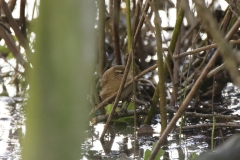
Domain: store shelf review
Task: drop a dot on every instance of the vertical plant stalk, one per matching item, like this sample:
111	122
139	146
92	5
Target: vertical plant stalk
23	18
226	21
168	61
214	120
110	7
130	46
60	98
182	117
213	129
101	36
161	73
132	69
116	12
233	20
152	107
175	78
191	94
156	93
136	17
140	24
12	4
175	35
128	19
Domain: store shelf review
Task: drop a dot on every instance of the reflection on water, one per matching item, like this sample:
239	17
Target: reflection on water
121	145
11	127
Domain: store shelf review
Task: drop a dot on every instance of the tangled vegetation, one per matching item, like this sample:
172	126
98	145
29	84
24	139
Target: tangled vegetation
179	70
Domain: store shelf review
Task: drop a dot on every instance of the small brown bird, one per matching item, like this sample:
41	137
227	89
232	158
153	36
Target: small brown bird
111	81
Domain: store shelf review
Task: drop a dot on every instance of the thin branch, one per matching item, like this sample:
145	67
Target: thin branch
11	45
184	54
12	4
234	125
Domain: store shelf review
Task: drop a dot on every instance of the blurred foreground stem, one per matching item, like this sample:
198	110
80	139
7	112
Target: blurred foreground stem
60	80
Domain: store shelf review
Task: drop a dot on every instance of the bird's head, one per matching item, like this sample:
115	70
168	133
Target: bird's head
119	69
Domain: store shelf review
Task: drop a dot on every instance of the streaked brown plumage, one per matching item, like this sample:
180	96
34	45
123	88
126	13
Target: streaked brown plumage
111	81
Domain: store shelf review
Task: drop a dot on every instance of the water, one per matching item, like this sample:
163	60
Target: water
119	145
12	117
12	130
12	127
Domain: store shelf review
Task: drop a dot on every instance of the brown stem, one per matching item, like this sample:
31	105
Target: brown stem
12	4
201	49
23	18
116	12
11	45
14	25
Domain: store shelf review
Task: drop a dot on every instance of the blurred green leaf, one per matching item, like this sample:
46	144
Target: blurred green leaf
130	106
148	152
4	49
108	108
128	120
6	52
10	55
15	38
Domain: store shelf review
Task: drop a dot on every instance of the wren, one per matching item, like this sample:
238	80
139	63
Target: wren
111	81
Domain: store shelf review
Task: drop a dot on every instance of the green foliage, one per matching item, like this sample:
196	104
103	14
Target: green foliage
4	49
147	153
108	108
127	120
